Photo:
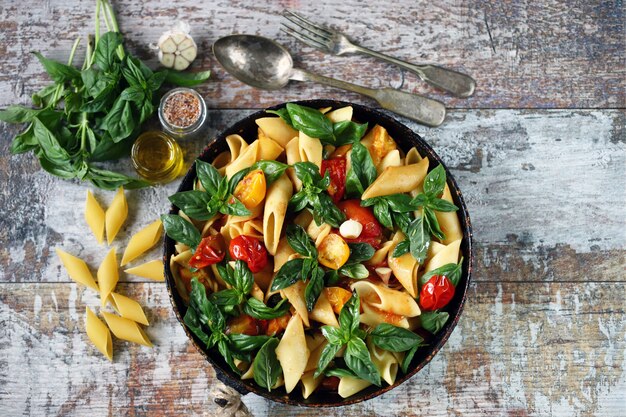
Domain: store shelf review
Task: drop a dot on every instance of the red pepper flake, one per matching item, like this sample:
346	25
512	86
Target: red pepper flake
182	109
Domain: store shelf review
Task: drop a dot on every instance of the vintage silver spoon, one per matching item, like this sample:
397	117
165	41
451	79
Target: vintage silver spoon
265	64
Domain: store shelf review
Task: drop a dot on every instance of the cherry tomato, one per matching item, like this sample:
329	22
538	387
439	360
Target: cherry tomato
337	171
330	383
333	252
210	251
251	189
372	230
250	250
436	293
245	324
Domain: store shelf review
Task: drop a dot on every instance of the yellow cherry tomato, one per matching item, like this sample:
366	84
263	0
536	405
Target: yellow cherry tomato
337	297
333	252
251	189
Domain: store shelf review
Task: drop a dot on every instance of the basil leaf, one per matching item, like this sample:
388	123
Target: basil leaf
346	132
420	200
400	203
362	166
451	271
340	373
358	359
181	230
24	142
18	114
328	354
193	203
432	223
234	208
349	315
224	349
186	79
433	321
334	335
45	96
266	366
207	312
259	310
283	114
439	204
382	214
360	252
119	121
298	201
105	53
408	358
228	297
192	322
272	169
327	211
236	178
314	288
331	277
222	189
300	241
209	176
310	121
110	180
226	273
244	279
401	248
246	343
402	220
394	339
353	184
59	72
435	181
308	173
419	239
288	274
354	271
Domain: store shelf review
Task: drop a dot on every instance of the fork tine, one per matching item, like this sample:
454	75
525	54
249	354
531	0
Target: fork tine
307	24
303	29
303	38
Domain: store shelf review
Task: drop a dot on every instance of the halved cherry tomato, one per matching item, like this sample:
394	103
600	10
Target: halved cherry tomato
372	230
251	189
436	293
210	251
337	297
330	383
337	171
250	250
277	325
333	252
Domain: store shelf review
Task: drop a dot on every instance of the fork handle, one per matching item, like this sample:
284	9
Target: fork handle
421	109
461	85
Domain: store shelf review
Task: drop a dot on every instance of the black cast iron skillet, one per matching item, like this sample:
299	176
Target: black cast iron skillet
405	138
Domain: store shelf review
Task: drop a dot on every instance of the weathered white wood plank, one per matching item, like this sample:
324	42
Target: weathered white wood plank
546	192
522	54
520	349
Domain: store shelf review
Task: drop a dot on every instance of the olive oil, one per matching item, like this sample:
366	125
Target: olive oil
157	157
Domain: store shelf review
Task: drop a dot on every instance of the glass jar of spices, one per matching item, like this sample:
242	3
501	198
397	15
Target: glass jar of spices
157	157
182	112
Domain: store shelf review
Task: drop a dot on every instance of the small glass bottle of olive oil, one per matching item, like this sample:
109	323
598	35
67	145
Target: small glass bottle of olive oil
157	157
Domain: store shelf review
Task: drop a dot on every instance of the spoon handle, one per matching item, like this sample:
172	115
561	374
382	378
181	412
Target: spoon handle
421	109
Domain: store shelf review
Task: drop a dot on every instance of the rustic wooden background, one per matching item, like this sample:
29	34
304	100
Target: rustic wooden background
539	151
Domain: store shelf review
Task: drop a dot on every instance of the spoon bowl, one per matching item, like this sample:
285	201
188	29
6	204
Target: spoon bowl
254	60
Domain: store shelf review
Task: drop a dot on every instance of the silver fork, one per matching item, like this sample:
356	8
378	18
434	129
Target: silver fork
336	43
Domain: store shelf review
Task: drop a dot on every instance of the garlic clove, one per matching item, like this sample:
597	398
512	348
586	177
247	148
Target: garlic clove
186	43
384	273
180	63
350	229
189	54
178	37
166	59
168	46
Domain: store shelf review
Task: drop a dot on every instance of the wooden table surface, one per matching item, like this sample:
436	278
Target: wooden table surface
539	152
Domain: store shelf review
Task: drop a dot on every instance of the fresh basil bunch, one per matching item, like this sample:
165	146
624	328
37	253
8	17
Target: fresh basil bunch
92	114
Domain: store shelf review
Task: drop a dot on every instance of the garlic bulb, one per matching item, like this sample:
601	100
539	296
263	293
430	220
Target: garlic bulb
177	48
